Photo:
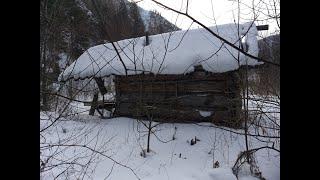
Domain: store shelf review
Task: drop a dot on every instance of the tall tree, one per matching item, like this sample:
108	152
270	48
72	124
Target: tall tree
50	42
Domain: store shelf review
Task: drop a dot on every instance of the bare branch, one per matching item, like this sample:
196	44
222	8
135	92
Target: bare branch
216	35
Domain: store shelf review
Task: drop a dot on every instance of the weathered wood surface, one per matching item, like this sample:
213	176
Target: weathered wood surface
179	98
179	115
100	103
101	86
194	101
262	27
93	104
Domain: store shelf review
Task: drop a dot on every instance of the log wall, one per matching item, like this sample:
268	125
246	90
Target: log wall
179	98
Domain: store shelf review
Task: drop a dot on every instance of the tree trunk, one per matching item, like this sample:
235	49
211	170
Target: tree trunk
43	75
44	96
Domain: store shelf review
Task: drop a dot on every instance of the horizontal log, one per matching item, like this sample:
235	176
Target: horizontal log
157	96
262	27
221	117
136	106
168	78
99	103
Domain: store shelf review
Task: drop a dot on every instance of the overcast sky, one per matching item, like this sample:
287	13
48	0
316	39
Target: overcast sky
211	12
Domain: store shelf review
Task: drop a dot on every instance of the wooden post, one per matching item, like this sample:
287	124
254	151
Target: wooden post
94	104
100	84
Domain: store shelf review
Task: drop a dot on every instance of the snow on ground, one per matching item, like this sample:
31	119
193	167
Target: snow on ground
119	138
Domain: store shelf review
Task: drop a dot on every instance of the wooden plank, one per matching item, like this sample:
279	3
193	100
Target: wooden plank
220	116
100	83
179	97
99	103
180	88
168	78
93	104
262	27
191	105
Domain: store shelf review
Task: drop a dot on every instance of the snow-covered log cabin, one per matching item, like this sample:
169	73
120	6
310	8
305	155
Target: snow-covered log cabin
182	76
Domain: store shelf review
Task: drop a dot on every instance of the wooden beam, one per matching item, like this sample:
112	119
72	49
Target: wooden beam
262	27
93	104
101	86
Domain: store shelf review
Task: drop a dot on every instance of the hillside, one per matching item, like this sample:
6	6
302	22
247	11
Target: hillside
69	27
270	48
80	24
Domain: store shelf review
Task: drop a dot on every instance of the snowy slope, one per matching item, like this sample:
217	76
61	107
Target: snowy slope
168	53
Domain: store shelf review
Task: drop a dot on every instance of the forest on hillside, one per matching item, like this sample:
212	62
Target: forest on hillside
69	27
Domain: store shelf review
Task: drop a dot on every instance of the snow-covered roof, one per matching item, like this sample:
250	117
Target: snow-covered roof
169	53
